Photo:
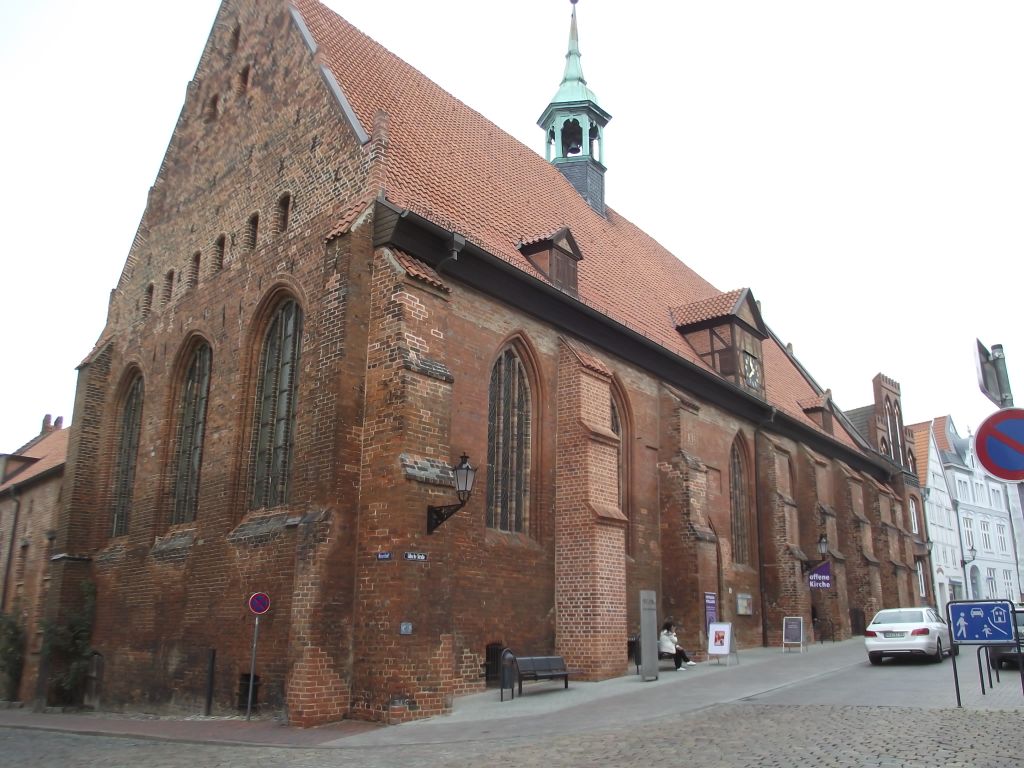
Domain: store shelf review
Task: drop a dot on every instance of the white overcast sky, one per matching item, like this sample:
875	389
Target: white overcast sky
858	165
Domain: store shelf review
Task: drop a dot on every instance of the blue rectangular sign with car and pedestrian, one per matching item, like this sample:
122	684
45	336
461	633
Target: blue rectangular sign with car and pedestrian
982	622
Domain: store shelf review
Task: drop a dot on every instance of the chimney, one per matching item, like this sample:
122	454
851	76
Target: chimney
58	424
46	425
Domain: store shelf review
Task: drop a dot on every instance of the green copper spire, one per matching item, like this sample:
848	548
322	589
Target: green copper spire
573	125
574	84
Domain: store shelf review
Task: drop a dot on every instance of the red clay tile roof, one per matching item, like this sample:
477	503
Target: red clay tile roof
586	357
347	218
722	305
450	165
419	270
942	433
920	433
49	452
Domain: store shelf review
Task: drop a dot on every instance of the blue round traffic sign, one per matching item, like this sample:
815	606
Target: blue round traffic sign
999	444
259	603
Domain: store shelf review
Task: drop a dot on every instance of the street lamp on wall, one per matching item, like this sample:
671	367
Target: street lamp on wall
464	474
973	555
807	565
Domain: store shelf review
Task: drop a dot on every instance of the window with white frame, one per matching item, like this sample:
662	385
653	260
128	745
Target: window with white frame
963	489
979	492
986	536
913	515
969	532
996	495
1008	583
990	582
920	580
1001	537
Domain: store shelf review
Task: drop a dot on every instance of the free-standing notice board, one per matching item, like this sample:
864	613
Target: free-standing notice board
721	642
793	632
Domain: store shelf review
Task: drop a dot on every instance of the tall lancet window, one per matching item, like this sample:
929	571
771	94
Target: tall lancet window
127	455
509	433
191	429
275	402
738	494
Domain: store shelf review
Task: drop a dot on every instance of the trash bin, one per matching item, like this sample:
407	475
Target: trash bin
508	674
243	692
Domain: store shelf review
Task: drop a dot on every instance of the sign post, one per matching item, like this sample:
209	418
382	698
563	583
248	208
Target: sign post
981	623
992	377
259	603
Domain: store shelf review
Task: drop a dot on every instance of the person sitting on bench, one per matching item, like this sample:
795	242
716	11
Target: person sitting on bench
668	646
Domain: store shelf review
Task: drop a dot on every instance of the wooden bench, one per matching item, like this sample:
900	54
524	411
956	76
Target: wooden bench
516	669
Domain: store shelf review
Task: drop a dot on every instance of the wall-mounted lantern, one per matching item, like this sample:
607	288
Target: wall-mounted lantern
465	474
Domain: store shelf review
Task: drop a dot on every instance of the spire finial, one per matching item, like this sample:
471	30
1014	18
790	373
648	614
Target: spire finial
573	67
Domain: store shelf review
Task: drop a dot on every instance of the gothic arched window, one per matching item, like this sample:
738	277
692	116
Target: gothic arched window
191	428
127	455
275	407
739	507
509	434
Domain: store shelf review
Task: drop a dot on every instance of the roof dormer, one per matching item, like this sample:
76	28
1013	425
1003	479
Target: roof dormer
555	256
726	332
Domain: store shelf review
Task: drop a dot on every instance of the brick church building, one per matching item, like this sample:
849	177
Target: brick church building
344	280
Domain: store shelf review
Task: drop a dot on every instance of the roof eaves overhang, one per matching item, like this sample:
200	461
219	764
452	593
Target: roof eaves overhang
432	243
13	484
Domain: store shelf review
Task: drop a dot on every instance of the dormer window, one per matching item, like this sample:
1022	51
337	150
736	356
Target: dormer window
556	257
726	331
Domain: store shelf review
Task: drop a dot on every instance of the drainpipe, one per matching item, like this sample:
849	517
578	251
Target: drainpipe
960	538
10	549
757	518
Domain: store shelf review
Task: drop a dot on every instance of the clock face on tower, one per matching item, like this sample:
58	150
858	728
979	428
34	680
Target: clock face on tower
751	371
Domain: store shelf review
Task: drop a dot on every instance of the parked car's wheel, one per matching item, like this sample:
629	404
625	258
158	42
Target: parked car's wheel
937	658
875	658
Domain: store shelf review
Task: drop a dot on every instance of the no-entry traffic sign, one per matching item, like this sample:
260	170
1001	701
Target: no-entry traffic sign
999	444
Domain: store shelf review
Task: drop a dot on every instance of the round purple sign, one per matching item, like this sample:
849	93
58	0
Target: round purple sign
259	603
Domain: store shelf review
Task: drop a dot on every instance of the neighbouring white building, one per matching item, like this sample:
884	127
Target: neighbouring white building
974	535
941	527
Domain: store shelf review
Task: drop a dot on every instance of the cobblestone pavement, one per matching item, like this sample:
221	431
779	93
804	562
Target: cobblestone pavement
736	735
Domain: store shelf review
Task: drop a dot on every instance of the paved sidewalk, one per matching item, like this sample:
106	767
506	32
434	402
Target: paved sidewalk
544	708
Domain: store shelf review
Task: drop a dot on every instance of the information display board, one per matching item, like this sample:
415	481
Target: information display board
720	641
648	634
793	632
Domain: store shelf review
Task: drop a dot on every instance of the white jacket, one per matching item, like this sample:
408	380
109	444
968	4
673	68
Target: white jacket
667	642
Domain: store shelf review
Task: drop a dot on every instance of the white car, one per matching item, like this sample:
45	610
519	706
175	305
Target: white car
918	631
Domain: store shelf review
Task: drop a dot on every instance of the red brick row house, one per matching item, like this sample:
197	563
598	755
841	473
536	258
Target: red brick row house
31	482
344	279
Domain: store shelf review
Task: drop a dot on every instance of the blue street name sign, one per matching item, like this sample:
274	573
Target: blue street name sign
982	622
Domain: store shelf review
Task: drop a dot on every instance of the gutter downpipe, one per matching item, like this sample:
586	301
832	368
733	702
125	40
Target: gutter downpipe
10	549
960	539
757	517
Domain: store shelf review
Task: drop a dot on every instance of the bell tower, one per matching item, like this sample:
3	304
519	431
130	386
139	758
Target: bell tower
574	124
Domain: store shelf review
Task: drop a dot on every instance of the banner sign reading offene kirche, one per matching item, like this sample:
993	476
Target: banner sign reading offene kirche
820	576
